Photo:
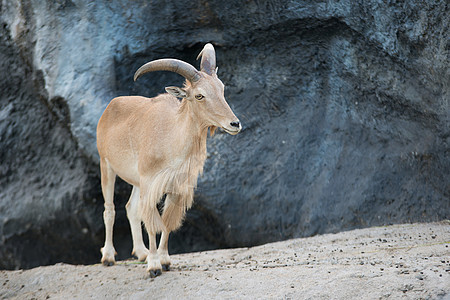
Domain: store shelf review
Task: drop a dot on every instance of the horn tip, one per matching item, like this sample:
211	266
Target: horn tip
209	45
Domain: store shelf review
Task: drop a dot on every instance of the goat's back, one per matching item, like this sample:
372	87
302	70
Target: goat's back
130	125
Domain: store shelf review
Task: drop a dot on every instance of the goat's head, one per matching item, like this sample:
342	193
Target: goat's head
204	90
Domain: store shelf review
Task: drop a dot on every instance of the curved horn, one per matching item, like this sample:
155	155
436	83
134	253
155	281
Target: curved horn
208	63
169	64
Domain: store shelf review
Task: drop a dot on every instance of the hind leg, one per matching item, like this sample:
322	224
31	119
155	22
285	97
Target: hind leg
172	218
108	178
139	249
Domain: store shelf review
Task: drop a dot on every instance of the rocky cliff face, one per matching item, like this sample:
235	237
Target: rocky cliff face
344	106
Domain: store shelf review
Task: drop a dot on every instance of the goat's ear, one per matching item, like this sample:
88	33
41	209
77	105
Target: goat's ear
176	91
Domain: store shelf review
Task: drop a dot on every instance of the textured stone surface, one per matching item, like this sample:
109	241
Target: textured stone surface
344	106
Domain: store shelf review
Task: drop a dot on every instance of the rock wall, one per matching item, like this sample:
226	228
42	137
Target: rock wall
344	106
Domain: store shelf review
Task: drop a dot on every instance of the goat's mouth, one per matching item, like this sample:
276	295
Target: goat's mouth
231	131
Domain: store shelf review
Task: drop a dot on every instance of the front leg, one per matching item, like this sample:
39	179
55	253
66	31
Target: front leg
154	267
174	209
163	251
153	223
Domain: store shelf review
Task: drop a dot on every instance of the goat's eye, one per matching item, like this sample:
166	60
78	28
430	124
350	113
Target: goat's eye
199	97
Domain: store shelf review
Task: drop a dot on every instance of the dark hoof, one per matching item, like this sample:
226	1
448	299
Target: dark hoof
166	267
108	263
154	273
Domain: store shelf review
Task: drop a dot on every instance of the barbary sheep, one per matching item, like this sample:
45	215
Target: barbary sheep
158	145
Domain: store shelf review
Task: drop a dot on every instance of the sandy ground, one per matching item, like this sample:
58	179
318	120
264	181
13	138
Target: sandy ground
397	262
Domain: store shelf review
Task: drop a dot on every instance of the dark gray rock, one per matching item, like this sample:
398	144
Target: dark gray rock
344	106
48	187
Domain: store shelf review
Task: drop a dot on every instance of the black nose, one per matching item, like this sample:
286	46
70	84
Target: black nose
235	124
